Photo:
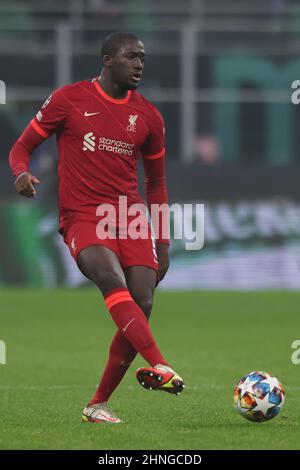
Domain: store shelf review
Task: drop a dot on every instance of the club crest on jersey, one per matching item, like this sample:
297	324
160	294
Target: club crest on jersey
132	123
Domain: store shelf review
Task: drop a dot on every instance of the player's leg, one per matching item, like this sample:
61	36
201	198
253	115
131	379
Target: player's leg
141	282
102	266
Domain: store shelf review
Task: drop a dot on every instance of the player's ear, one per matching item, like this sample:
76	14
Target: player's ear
106	60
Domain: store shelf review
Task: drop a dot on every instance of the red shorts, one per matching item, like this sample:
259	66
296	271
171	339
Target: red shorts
131	252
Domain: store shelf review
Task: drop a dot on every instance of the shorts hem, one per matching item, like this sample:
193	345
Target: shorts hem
97	244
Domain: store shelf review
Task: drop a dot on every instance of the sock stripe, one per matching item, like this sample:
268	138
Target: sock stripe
118	290
118	301
117	298
117	295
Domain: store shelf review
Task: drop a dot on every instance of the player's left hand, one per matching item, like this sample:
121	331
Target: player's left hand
162	250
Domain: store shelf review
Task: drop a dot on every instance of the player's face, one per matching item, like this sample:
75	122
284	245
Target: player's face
128	64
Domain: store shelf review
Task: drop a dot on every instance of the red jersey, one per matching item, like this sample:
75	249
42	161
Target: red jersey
100	140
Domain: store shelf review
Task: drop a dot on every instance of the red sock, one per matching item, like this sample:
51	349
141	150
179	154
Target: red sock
133	324
121	354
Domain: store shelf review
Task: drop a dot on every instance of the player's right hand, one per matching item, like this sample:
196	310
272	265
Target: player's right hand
24	184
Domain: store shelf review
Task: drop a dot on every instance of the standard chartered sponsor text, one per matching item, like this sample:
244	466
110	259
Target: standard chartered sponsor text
115	146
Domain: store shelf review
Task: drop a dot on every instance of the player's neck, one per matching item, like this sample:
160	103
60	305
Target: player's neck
112	89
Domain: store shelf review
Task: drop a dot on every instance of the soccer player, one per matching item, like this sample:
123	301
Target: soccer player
102	127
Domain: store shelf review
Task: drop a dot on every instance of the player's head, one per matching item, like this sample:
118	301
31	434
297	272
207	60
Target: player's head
123	56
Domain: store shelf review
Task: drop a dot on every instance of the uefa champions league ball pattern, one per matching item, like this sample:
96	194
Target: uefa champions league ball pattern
258	396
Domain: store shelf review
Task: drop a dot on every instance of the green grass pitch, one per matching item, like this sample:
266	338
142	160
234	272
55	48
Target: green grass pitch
57	343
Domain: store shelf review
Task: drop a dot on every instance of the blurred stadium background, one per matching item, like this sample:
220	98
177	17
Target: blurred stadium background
221	74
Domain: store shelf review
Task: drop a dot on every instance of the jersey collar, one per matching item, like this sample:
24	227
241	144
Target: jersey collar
110	98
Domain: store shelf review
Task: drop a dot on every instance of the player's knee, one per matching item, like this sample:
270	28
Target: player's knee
107	279
145	303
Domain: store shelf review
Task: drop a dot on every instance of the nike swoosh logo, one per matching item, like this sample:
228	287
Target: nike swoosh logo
125	327
90	114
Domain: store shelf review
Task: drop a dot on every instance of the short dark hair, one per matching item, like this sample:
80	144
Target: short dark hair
114	41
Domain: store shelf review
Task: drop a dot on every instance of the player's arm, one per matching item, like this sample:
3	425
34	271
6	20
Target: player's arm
47	121
19	158
156	188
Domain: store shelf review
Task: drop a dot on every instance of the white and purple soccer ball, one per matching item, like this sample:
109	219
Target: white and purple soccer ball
258	396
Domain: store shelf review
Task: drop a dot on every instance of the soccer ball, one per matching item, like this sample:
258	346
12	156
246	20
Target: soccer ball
258	396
